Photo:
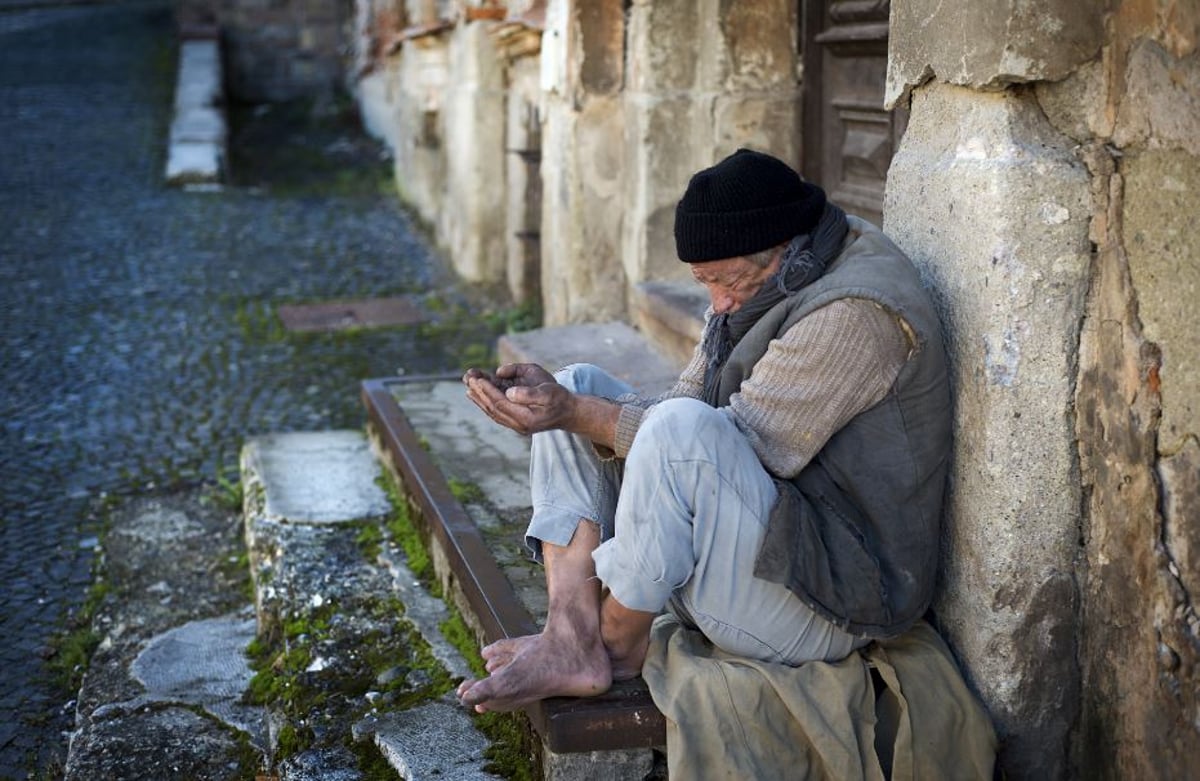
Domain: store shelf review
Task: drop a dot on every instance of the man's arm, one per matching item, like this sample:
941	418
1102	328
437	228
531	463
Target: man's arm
525	398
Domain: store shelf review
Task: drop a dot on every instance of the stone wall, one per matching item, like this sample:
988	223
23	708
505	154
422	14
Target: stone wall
596	126
1049	196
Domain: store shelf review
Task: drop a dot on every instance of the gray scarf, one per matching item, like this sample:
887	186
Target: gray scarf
804	261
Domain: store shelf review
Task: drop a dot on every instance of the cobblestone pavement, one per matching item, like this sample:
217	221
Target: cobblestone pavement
139	344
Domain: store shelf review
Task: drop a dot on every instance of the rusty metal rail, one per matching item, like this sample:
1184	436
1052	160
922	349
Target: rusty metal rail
624	717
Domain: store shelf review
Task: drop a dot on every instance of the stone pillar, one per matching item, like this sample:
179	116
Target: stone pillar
992	204
422	72
582	203
471	222
523	198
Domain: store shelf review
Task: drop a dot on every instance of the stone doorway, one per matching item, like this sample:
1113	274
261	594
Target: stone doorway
848	137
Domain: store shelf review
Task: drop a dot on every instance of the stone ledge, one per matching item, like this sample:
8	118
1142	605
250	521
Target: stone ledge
622	719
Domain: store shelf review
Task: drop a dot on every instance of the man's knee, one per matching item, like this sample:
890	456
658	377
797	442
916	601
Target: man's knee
685	423
578	377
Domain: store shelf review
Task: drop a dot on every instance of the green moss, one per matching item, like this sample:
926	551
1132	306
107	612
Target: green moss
369	539
465	492
514	751
459	635
257	321
74	646
403	532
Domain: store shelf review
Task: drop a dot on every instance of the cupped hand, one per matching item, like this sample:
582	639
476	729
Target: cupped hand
522	396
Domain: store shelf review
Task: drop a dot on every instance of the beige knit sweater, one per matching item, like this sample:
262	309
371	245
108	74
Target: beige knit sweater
833	364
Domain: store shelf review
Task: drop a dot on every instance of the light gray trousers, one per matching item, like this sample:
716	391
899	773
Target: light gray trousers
681	521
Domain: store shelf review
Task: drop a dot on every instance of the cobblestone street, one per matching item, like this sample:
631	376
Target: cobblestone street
140	343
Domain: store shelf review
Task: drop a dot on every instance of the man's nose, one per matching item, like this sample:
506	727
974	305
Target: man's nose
722	303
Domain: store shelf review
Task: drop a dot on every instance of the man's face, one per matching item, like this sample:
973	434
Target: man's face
733	281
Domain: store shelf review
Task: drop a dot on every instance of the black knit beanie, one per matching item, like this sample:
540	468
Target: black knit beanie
744	204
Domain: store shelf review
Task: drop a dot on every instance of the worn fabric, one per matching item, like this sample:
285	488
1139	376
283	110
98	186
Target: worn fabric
680	525
837	362
735	718
859	534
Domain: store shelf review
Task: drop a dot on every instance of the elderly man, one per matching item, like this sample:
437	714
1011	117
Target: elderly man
783	498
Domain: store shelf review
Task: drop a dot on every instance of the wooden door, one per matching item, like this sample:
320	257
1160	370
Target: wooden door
849	138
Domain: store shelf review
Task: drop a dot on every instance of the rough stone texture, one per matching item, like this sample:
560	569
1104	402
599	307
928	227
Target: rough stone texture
434	741
582	209
198	136
421	74
1139	654
165	742
1161	194
472	229
599	765
688	105
368	609
523	182
993	207
314	477
469	448
989	44
203	663
160	698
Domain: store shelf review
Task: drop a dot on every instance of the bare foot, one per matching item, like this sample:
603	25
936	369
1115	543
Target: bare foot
527	669
502	652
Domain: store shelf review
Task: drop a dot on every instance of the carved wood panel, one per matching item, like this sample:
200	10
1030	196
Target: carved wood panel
849	138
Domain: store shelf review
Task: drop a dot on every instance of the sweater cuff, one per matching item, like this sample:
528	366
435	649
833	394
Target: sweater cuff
628	423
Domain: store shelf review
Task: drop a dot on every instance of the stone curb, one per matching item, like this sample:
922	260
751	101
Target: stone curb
196	151
307	496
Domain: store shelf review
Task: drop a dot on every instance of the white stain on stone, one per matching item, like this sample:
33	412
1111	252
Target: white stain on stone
1053	213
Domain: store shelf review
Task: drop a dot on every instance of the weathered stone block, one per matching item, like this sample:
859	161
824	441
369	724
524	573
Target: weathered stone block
582	211
760	40
992	205
994	43
662	45
474	156
666	141
1162	189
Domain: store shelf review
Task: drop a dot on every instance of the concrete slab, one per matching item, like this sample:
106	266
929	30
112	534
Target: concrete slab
196	146
203	663
434	741
615	347
199	74
466	444
316	477
198	124
191	162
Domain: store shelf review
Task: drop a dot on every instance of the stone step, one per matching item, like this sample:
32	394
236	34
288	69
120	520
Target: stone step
350	626
671	315
615	347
